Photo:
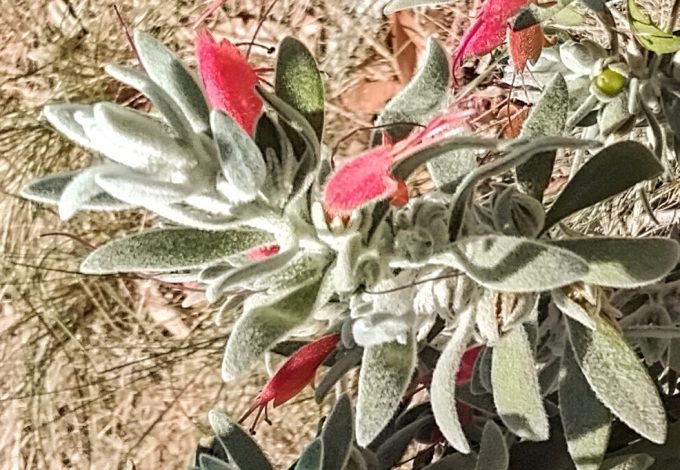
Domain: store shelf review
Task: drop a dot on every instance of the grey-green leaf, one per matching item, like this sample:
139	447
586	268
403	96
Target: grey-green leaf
63	117
624	262
513	264
423	97
265	321
516	391
609	172
172	76
547	118
629	462
618	378
242	450
585	420
386	371
337	435
298	82
449	169
443	389
493	451
312	456
243	166
170	249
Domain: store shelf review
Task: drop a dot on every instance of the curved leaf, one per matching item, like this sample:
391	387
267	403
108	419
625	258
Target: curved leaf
585	420
390	452
493	451
312	457
298	82
629	462
624	262
423	97
443	385
386	371
337	435
64	118
242	450
648	34
609	172
618	378
266	319
513	264
547	118
169	249
449	169
515	386
161	64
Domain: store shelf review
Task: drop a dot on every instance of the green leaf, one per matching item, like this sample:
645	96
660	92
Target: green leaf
443	385
266	319
585	420
62	116
618	378
515	386
312	457
208	462
533	14
242	164
624	262
349	360
397	5
629	462
609	172
648	34
161	64
170	249
386	371
513	264
391	451
449	169
242	450
493	451
423	97
547	118
337	435
298	82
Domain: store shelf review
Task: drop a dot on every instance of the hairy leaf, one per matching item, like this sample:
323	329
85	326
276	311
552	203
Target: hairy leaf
585	420
629	462
65	118
609	172
386	371
390	452
493	451
337	435
515	386
618	378
298	82
312	457
443	385
242	450
648	34
449	169
624	262
169	249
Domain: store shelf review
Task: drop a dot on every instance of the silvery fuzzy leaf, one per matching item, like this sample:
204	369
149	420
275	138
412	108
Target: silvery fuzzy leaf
423	97
81	189
609	172
161	64
209	200
312	456
448	170
547	118
381	328
240	447
573	309
208	462
386	371
300	268
266	319
513	264
487	316
247	274
514	213
128	185
63	117
349	360
48	190
391	451
623	262
168	250
443	389
586	421
165	105
298	82
480	382
337	435
629	462
183	214
650	328
516	391
548	378
493	450
617	377
614	115
577	57
243	167
138	141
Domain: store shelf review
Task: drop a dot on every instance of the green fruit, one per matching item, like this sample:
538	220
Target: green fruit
609	82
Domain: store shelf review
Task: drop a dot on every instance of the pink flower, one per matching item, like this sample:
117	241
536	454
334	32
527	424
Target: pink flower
367	178
228	80
261	252
488	30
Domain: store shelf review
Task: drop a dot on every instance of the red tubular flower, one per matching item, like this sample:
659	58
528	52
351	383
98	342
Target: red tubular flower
488	30
261	252
292	376
228	80
366	177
